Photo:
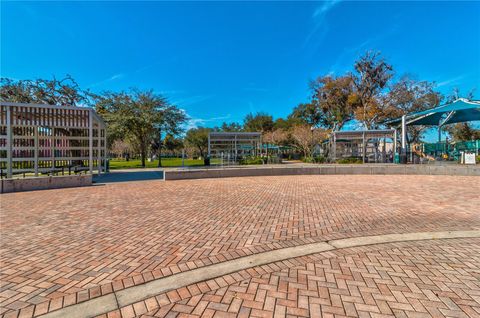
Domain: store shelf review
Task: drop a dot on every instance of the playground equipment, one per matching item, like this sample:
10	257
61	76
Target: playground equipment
418	149
458	111
446	151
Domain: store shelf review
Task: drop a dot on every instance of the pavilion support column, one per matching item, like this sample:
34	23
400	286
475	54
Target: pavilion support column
334	147
105	150
9	142
364	148
52	149
394	142
35	135
384	150
90	142
235	159
208	146
99	150
403	154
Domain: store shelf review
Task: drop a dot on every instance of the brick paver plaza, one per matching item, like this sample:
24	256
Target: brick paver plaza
62	247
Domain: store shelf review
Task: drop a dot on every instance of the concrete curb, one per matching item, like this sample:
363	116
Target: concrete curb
330	169
45	183
125	297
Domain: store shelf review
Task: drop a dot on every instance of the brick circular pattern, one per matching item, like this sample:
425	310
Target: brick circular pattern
415	279
62	247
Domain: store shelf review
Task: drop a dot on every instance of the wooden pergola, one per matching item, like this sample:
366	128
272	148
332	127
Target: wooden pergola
49	139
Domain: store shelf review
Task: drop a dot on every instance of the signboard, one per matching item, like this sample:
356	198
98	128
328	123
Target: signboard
469	158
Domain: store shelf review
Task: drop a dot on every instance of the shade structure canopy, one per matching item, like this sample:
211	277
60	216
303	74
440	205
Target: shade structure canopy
458	111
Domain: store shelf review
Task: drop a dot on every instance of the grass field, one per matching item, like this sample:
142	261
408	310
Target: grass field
166	162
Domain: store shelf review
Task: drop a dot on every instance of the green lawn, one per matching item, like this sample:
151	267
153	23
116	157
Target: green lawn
166	162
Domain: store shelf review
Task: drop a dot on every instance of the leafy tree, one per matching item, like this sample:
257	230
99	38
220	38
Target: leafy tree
142	116
463	132
230	127
43	91
172	144
333	100
261	122
408	96
307	113
198	138
171	123
286	124
371	77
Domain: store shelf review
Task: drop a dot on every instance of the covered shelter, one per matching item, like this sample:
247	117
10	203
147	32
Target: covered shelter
458	111
232	146
364	144
50	139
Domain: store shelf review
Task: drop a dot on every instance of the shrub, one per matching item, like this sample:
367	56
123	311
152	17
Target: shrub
349	160
316	159
251	161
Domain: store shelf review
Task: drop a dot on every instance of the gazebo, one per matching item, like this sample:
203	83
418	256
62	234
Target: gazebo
50	139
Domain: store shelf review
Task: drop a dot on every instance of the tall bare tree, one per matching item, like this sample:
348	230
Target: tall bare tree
305	138
371	77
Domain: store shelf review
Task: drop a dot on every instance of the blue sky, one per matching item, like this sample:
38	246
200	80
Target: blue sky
222	60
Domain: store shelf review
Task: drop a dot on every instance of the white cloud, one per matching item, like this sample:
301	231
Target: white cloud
326	6
320	27
187	101
111	78
451	81
345	60
196	122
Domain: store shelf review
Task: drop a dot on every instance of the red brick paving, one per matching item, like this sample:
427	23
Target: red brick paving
66	246
415	279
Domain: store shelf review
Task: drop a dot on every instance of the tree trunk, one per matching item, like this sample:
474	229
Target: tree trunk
143	154
159	148
160	156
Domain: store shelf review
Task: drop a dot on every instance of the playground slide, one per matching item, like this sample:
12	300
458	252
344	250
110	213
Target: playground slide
417	149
